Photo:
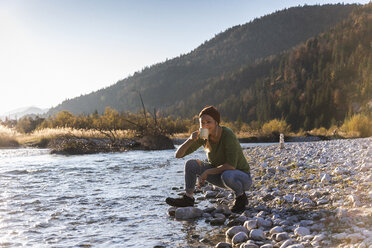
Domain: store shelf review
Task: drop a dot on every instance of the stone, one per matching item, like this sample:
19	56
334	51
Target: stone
301	231
211	194
325	178
223	245
286	243
340	236
268	197
339	171
322	201
319	237
188	213
250	224
296	246
265	223
306	201
282	236
257	234
217	221
288	198
249	244
218	215
231	232
239	238
267	246
277	229
271	170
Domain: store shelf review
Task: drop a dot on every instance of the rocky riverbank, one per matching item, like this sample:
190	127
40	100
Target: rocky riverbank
314	194
76	145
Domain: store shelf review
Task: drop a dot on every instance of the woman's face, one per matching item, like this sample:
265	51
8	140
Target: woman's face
206	121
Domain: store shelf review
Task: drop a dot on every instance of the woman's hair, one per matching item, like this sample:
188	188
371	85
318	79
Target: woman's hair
212	112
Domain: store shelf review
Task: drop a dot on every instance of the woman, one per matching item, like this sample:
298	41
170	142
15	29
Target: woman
226	166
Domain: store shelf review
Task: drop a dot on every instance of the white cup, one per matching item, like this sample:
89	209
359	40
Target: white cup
203	133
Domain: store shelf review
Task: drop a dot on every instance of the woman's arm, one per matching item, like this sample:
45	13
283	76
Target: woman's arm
186	145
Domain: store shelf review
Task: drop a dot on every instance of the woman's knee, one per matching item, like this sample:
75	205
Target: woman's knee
234	178
191	165
228	177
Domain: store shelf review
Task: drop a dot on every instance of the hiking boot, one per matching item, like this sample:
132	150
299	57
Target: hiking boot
240	203
183	201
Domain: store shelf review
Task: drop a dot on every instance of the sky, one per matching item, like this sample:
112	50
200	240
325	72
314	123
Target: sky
53	50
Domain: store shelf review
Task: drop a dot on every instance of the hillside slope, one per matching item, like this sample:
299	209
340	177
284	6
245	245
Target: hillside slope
169	85
315	84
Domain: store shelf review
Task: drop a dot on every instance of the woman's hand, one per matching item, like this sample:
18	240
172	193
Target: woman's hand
202	178
194	136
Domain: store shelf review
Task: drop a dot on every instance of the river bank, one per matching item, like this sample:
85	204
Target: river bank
312	194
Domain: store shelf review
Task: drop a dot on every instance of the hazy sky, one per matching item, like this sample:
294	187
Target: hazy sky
52	50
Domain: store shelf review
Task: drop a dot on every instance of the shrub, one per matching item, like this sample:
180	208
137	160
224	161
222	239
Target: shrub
7	137
359	125
275	126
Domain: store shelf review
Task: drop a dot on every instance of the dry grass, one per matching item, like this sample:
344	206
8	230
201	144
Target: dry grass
359	125
8	137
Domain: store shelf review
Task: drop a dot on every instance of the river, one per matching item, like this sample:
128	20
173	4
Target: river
99	200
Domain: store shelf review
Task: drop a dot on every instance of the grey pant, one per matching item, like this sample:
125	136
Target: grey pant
236	180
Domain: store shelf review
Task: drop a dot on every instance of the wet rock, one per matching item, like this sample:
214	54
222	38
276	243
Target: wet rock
236	229
239	238
188	213
217	221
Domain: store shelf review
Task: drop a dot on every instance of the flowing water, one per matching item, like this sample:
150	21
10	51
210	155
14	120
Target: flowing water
100	200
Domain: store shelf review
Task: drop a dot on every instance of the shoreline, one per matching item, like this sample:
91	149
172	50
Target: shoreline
310	194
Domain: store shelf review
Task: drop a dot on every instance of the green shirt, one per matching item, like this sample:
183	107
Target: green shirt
227	150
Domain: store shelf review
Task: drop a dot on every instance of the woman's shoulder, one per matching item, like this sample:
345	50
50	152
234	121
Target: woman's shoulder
228	131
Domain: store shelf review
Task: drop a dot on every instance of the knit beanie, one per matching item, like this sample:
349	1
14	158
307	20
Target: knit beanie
212	112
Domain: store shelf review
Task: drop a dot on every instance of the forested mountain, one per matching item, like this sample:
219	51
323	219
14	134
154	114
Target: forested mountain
315	84
279	65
